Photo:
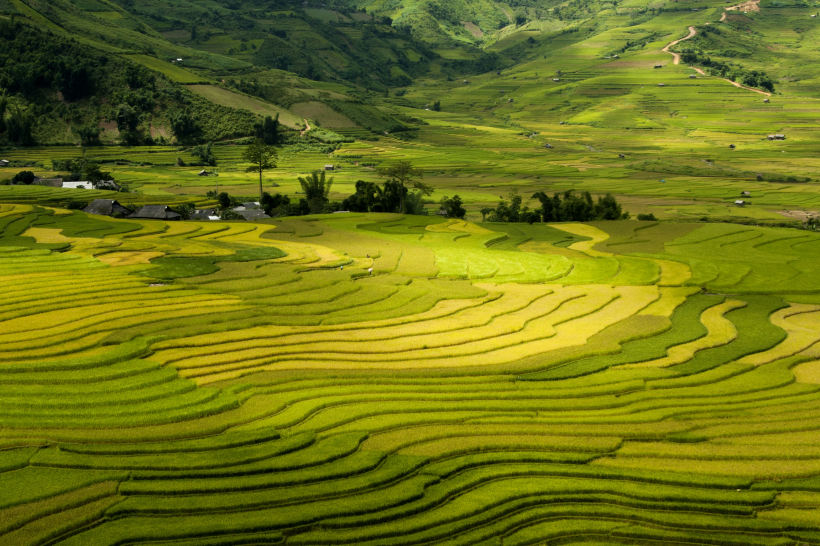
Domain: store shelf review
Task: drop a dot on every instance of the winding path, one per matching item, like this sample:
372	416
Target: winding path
675	56
692	33
307	127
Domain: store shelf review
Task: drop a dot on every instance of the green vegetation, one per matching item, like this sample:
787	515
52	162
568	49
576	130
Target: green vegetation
449	331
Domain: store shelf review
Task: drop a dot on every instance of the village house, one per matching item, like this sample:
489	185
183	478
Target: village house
252	215
741	203
745	193
50	182
4	162
107	207
250	205
776	137
78	185
205	214
156	212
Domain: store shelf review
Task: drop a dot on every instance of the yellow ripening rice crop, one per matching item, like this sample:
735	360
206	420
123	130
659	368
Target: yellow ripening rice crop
671	298
505	315
311	254
596	236
801	516
673	273
50	235
721	331
459	226
8	210
232	233
68	322
808	372
128	258
801	322
593	309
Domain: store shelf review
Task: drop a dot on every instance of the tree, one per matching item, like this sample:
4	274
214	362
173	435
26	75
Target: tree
367	197
268	130
205	155
414	203
608	208
405	175
4	102
184	126
530	216
225	201
89	135
20	127
484	212
23	177
184	210
127	118
316	188
437	106
275	204
263	158
453	207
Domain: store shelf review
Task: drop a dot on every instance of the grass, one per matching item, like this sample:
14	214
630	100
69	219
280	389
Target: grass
231	99
171	71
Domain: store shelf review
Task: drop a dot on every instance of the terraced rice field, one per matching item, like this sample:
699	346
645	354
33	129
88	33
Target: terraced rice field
232	383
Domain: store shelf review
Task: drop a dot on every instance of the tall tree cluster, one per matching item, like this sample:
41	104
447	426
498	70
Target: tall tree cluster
560	207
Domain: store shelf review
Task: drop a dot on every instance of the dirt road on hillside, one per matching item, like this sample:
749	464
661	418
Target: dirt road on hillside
693	32
675	56
307	127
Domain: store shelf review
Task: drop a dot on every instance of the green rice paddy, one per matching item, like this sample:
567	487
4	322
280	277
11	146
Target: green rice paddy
380	379
233	383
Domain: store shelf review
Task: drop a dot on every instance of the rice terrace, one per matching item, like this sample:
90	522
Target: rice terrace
441	272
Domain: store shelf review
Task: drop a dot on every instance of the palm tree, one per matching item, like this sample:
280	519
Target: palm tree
316	188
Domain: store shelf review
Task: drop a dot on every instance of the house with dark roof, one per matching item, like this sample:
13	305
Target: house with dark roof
250	205
205	214
156	212
106	207
50	182
252	215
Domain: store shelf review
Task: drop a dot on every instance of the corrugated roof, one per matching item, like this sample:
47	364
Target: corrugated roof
156	212
105	207
252	215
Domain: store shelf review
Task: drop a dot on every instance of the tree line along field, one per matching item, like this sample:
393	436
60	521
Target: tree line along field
389	379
